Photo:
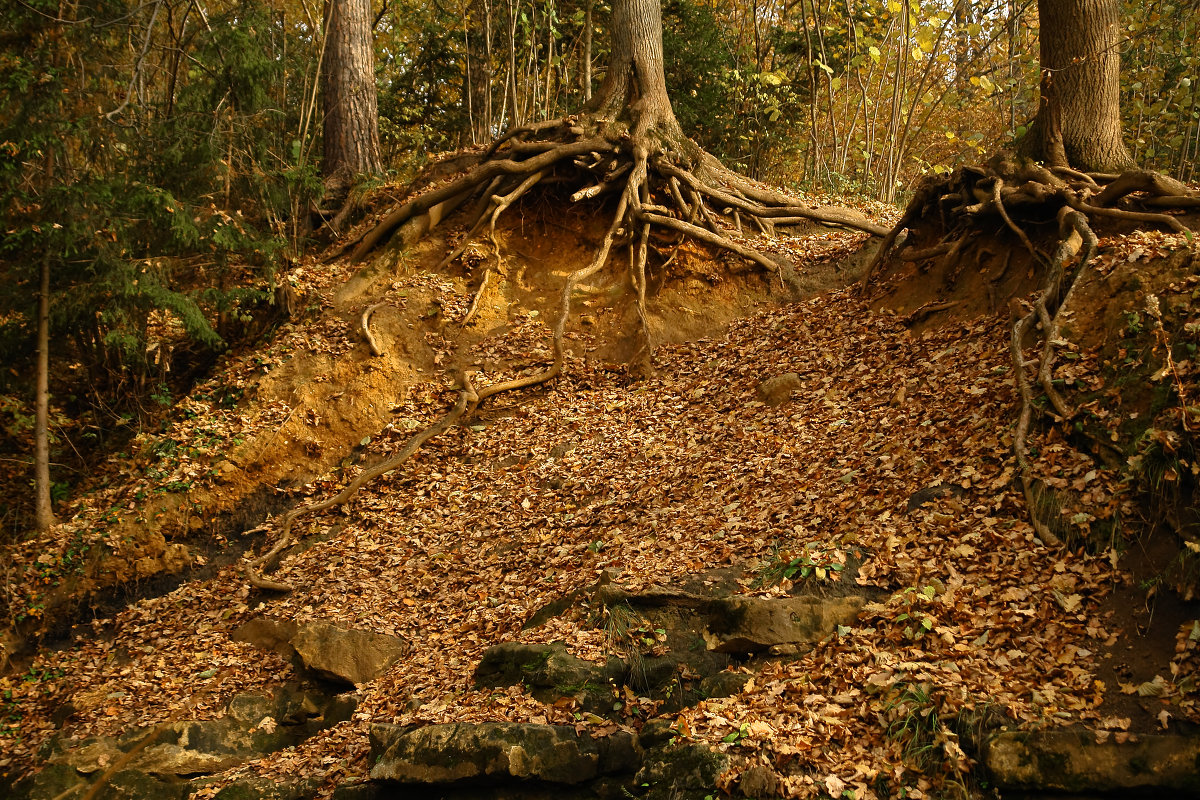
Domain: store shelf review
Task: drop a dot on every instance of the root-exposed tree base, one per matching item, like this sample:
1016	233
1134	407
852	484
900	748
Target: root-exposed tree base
1015	194
667	183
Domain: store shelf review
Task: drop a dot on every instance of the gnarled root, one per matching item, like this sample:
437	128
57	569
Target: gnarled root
466	398
1075	237
604	160
649	178
365	323
1010	191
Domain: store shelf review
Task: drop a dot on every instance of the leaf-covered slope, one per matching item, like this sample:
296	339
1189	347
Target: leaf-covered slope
651	483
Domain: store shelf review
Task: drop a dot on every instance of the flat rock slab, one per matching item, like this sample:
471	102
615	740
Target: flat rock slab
342	655
171	760
157	762
1074	761
755	624
544	665
449	754
349	656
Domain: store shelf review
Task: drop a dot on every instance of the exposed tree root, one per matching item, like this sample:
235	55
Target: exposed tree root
972	199
608	159
483	285
466	397
662	183
923	312
366	328
1074	235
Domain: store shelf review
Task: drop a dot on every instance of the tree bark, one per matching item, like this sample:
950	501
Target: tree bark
43	510
1079	117
635	81
351	130
587	53
479	78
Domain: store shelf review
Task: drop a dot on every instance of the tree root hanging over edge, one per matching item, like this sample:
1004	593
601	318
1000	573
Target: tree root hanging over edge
603	159
656	187
963	201
1006	184
1075	237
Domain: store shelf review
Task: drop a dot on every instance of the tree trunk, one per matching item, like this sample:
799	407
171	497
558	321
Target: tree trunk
963	18
635	81
44	512
351	131
587	53
1079	118
479	79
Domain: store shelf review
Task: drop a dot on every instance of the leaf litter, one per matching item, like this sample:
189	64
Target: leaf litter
653	482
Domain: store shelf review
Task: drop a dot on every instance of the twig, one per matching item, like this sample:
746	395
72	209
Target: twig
137	66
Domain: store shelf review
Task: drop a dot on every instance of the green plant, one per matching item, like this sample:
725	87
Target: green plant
812	562
740	733
927	739
1133	323
621	626
60	490
1184	570
162	395
913	721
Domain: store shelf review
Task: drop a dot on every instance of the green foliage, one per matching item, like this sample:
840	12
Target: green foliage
811	562
700	63
421	104
195	169
859	97
157	189
928	745
913	721
1160	100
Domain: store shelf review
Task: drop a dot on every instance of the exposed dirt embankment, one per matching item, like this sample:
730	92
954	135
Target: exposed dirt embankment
621	557
251	440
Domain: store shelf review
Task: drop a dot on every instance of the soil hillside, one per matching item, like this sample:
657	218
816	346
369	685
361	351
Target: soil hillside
624	552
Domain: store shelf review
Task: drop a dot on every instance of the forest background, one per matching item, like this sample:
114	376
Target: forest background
159	159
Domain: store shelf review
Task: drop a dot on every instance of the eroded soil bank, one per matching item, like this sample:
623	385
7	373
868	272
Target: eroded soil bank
789	561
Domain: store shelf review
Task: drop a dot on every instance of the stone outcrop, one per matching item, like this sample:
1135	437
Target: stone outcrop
331	652
172	759
456	753
755	624
681	771
778	390
349	656
544	665
1082	761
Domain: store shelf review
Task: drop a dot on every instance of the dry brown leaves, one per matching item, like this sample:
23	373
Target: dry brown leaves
652	482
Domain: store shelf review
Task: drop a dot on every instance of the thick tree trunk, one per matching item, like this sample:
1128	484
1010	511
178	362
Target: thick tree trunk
1079	119
44	512
351	131
635	81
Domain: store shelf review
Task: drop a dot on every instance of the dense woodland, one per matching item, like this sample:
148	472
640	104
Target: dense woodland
683	398
162	158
